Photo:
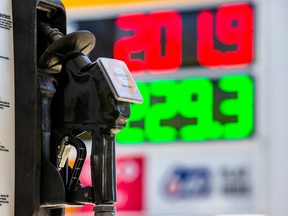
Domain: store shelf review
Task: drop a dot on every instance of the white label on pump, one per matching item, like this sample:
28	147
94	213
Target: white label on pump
7	110
120	80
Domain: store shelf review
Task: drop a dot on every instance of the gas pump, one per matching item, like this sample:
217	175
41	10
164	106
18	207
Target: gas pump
77	96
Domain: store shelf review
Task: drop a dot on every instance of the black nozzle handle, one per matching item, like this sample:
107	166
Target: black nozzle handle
103	168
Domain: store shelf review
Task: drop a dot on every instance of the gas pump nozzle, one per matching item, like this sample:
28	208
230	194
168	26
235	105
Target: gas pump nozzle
90	97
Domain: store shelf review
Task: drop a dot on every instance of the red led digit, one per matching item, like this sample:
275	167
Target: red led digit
207	55
132	49
164	53
234	28
234	25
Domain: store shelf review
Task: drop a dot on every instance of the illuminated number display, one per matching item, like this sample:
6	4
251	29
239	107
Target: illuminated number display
163	41
192	109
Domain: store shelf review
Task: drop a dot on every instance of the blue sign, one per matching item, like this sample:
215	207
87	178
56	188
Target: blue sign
187	183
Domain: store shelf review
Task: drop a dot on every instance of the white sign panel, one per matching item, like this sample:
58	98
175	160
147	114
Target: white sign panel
7	110
201	184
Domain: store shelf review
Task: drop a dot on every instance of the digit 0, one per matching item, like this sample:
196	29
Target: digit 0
164	53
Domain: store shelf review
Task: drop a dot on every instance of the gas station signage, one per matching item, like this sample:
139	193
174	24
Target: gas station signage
192	109
170	42
193	68
169	39
209	125
165	41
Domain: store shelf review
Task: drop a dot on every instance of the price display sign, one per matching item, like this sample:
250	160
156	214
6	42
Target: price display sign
192	109
161	42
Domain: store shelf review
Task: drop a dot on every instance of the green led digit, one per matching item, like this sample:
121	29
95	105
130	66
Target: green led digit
138	112
159	111
196	99
242	106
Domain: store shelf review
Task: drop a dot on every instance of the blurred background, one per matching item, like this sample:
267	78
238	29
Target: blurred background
210	137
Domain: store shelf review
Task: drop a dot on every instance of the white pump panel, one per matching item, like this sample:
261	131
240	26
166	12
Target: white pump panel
7	110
